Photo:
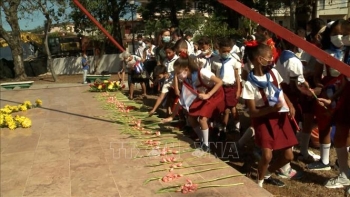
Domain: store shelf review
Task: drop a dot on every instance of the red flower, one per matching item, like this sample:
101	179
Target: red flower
252	43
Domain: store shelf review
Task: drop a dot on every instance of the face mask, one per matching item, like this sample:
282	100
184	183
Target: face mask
337	40
140	42
225	55
206	52
166	39
346	40
182	76
216	52
308	33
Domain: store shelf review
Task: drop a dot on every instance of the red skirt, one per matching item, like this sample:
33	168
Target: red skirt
342	110
230	96
205	108
274	131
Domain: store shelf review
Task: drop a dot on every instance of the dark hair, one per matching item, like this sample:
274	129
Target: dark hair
139	36
160	69
147	40
269	33
225	42
204	40
316	25
180	44
188	33
326	35
160	43
185	61
260	38
256	51
177	32
170	46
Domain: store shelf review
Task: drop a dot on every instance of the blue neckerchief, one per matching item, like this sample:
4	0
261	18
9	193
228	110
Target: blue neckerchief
192	81
222	69
264	84
207	60
338	52
286	55
347	60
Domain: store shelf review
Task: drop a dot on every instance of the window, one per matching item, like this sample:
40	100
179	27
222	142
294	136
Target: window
322	4
344	3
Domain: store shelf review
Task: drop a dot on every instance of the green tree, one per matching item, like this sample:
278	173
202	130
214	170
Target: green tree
13	37
160	9
151	26
192	22
53	11
103	11
214	28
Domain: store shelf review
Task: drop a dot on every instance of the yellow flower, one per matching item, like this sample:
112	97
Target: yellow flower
23	108
8	119
39	102
105	81
118	83
28	104
12	126
99	87
2	122
26	123
110	87
19	119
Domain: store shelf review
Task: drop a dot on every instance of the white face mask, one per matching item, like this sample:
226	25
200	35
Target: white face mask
182	76
346	40
337	40
206	52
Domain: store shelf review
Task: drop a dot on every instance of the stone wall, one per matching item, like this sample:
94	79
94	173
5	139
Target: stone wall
72	65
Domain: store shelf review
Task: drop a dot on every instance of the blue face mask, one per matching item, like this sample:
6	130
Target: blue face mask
166	39
225	55
216	52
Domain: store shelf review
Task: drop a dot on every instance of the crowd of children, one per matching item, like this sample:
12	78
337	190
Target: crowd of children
284	89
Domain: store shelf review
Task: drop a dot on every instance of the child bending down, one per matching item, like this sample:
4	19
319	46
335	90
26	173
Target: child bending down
202	94
273	130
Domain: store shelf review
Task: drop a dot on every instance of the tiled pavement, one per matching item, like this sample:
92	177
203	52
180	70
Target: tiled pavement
67	152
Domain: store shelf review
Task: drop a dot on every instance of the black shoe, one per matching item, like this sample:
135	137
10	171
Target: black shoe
205	148
275	182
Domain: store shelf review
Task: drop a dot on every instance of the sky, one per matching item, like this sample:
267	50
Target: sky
36	19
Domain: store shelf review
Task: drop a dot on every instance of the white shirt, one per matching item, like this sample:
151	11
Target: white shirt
251	92
205	62
229	69
291	68
139	51
205	77
130	64
190	47
150	53
242	50
235	49
333	72
169	64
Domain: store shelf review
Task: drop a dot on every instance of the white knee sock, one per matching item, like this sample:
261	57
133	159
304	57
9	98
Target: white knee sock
205	134
260	183
324	149
286	167
342	155
304	143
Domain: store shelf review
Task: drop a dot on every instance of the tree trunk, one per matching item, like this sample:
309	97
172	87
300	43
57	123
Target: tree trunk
48	53
314	8
13	38
173	14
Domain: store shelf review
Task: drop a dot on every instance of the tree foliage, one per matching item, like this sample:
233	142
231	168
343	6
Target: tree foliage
107	12
214	28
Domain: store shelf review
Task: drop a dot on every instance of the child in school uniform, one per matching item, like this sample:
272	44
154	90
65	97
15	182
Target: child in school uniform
327	81
206	95
205	58
341	117
273	130
168	82
226	66
134	66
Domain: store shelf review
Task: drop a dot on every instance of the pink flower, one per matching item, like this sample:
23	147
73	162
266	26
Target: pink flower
188	187
171	169
170	151
164	160
157	133
162	153
179	165
127	111
175	152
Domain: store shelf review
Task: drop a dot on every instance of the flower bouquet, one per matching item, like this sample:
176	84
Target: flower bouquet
106	86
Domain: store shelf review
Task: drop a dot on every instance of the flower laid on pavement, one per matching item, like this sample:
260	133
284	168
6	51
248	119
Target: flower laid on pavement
7	120
196	172
189	186
180	166
106	86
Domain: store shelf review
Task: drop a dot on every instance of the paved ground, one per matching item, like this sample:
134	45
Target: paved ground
67	152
